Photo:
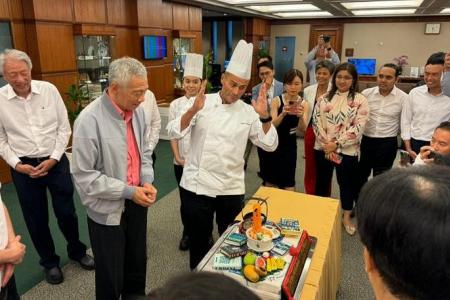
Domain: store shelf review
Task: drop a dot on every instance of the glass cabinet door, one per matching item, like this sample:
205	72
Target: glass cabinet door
181	46
93	55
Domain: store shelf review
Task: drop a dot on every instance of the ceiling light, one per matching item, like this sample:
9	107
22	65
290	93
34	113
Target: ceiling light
281	8
238	2
445	11
382	4
384	12
304	14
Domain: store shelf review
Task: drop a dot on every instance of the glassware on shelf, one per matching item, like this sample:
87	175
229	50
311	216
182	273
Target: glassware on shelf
93	58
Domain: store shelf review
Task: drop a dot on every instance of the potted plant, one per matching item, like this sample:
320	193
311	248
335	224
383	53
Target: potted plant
401	61
75	102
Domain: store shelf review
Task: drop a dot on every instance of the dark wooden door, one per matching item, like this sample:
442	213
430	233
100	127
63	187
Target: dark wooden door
335	31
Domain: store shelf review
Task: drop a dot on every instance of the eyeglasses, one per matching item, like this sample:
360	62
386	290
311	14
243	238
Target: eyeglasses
346	78
264	74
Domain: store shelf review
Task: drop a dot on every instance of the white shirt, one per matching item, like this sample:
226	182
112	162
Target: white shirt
219	134
177	108
37	126
384	112
155	119
422	113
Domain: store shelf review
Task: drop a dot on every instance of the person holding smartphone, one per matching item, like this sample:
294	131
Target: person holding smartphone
278	167
339	121
322	51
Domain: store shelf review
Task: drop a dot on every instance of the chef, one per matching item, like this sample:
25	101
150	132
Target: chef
220	125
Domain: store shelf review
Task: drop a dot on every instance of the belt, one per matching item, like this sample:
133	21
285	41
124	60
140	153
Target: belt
34	159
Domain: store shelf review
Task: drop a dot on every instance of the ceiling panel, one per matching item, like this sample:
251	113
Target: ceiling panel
294	9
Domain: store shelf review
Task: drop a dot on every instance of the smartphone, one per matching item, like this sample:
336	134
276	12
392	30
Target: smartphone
405	158
435	155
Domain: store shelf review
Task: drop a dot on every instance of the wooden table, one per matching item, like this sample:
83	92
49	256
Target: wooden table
321	217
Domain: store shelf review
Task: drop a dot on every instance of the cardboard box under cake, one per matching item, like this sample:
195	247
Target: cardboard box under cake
270	287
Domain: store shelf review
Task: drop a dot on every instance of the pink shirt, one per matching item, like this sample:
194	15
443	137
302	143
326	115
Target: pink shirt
133	157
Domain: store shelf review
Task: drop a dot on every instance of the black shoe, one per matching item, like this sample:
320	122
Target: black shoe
184	243
87	262
54	275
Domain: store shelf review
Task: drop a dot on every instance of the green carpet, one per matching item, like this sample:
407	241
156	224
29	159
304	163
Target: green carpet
29	272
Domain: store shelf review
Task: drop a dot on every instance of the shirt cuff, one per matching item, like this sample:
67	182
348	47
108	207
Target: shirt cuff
56	155
269	138
13	161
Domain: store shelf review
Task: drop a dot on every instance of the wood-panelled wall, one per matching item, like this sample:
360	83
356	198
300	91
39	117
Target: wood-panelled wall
45	29
256	30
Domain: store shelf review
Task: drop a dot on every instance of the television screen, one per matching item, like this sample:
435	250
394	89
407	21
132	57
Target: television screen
155	47
364	66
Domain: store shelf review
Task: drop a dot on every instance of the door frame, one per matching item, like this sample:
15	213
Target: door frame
315	30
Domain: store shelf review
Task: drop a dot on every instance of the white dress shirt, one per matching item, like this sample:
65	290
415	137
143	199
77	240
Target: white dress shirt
219	134
177	108
35	126
384	112
422	113
155	118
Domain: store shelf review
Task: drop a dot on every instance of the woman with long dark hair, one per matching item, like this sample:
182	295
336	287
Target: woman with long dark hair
339	121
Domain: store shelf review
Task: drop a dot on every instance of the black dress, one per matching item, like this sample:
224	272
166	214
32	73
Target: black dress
278	167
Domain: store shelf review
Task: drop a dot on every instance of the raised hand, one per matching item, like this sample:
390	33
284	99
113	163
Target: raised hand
199	101
260	104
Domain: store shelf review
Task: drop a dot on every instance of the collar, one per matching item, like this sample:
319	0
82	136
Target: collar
126	115
12	94
392	92
438	95
342	94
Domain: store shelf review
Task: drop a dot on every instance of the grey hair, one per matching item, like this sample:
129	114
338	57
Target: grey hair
123	69
15	54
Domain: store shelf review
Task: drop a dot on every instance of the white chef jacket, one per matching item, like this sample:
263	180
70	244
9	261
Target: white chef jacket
219	134
177	108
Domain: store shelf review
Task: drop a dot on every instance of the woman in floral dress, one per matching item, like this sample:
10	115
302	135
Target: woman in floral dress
339	121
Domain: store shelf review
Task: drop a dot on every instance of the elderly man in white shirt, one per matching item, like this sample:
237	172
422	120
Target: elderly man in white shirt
425	108
34	132
379	142
220	125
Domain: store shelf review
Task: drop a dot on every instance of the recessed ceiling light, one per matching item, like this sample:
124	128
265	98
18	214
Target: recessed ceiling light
384	12
304	14
382	4
445	11
282	8
238	2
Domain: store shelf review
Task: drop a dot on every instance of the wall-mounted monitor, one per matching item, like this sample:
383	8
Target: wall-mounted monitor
155	47
364	66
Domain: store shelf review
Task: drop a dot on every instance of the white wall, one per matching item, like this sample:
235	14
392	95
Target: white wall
382	41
